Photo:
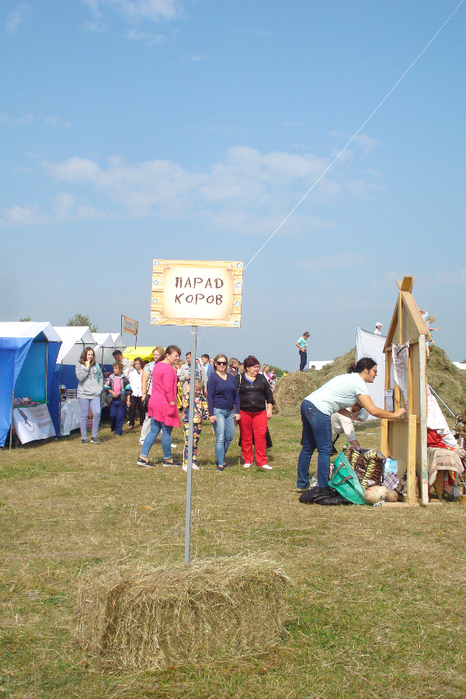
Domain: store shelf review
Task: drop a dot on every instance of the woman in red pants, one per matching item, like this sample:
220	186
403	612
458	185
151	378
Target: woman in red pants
256	402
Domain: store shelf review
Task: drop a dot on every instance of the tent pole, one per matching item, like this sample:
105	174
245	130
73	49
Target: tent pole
12	421
46	368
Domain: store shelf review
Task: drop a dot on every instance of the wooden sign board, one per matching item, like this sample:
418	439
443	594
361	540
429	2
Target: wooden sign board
196	293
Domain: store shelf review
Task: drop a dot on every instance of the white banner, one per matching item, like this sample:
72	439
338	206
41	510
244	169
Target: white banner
33	423
370	345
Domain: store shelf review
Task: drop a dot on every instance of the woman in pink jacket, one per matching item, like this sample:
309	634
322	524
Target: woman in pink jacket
162	408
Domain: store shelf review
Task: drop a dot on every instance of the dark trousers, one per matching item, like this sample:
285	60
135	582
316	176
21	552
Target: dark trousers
117	415
136	402
302	360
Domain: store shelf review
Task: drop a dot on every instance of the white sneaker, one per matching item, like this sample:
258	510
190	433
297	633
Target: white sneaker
267	467
247	465
173	446
185	468
195	468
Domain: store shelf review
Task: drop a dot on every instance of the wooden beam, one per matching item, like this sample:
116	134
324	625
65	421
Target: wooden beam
407	284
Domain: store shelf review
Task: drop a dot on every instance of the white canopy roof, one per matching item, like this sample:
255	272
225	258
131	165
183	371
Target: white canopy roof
75	339
29	329
104	349
118	341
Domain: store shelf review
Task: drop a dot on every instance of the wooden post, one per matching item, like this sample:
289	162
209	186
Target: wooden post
411	465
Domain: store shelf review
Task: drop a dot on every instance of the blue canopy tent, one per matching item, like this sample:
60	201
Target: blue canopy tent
28	353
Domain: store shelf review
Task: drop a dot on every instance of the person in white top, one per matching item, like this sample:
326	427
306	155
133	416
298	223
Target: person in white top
344	425
378	328
135	380
335	396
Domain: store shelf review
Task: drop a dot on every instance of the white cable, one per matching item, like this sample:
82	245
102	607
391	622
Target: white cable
354	135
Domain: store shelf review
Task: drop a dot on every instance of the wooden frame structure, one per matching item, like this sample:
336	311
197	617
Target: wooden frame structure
405	439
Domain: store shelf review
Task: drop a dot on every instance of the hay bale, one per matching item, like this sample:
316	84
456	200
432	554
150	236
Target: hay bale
184	614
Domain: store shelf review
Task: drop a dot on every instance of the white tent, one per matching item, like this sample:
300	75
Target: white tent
104	349
74	340
118	341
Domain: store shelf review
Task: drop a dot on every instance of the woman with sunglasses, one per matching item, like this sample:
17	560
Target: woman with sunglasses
335	396
223	402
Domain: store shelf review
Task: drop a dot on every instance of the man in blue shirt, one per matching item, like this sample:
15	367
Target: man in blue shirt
301	344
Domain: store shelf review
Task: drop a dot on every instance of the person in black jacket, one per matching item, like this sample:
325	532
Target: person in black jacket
256	402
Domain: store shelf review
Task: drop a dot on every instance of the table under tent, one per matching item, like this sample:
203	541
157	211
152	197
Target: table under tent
28	354
75	340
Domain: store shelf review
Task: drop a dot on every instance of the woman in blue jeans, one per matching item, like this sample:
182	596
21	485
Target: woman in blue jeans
335	396
223	402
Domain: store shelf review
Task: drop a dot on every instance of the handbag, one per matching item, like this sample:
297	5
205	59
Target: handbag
345	481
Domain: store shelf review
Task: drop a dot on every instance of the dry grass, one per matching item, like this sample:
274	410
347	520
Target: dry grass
376	609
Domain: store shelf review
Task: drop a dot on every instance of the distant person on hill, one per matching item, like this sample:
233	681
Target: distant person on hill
428	320
336	395
301	344
378	328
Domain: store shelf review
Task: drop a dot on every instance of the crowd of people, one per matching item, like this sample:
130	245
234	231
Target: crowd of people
227	393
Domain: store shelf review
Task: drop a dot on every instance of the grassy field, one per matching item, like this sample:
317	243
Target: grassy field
376	608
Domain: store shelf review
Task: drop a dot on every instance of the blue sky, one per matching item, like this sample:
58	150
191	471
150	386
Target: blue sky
184	129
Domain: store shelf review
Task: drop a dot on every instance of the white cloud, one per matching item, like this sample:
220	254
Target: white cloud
367	143
16	17
245	181
247	193
138	10
23	121
147	38
17	216
74	170
442	277
68	208
334	262
55	122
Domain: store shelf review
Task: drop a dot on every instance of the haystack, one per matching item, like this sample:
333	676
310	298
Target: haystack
183	614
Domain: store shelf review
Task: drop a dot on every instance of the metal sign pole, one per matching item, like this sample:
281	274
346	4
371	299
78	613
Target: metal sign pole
187	537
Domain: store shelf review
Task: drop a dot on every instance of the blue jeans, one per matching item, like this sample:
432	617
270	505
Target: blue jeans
317	434
224	432
166	438
302	360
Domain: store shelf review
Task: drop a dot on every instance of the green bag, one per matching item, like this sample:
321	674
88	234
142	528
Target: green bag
345	481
